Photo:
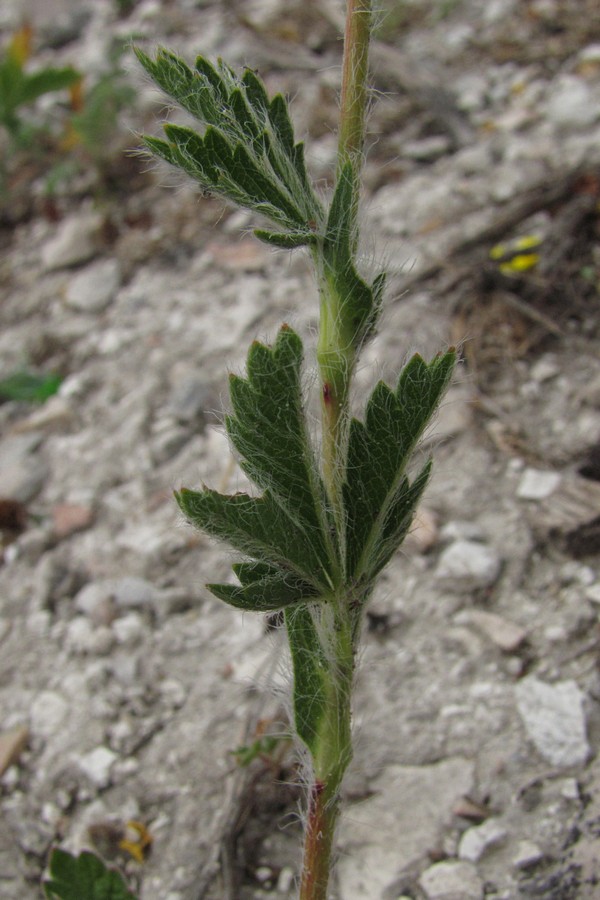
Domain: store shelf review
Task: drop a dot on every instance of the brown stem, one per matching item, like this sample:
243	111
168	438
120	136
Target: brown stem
320	828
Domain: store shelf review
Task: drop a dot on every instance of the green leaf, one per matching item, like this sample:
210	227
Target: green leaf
286	240
259	528
268	429
359	303
310	675
287	530
247	152
255	91
378	498
262	747
281	122
264	588
84	877
27	387
46	81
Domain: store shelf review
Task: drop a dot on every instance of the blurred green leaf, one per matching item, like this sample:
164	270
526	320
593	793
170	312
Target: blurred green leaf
27	387
84	877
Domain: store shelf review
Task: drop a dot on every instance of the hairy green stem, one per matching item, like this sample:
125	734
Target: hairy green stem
354	81
336	356
331	755
335	353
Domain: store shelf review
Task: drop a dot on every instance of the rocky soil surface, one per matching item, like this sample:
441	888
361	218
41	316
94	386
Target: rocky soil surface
124	688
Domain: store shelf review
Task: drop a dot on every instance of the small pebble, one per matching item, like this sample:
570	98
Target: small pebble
476	841
48	713
452	878
68	518
74	242
83	637
528	854
503	633
468	565
12	744
285	880
554	718
536	484
129	629
96	765
93	289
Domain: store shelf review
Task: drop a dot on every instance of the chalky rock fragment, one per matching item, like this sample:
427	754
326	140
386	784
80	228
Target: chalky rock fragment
500	631
537	484
452	880
571	103
468	565
477	840
22	472
12	744
528	855
97	764
48	713
74	242
554	719
94	288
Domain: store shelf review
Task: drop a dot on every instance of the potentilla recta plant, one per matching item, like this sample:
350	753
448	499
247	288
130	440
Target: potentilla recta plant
326	518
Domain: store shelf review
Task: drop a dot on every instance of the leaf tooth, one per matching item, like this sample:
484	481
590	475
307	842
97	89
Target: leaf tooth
213	78
256	92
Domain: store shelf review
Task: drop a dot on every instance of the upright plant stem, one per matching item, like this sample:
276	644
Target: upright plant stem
354	81
336	356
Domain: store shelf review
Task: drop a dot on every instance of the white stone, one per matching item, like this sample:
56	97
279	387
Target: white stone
73	243
554	719
589	54
129	629
571	103
83	637
48	713
96	765
285	880
500	631
468	565
537	484
477	840
593	592
386	832
569	789
22	474
131	592
93	288
545	368
452	879
528	854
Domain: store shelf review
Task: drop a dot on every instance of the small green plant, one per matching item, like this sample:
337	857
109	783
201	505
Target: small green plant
326	519
20	88
83	877
29	387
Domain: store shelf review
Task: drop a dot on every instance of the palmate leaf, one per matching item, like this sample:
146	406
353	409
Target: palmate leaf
267	428
378	498
246	152
286	530
259	528
83	877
